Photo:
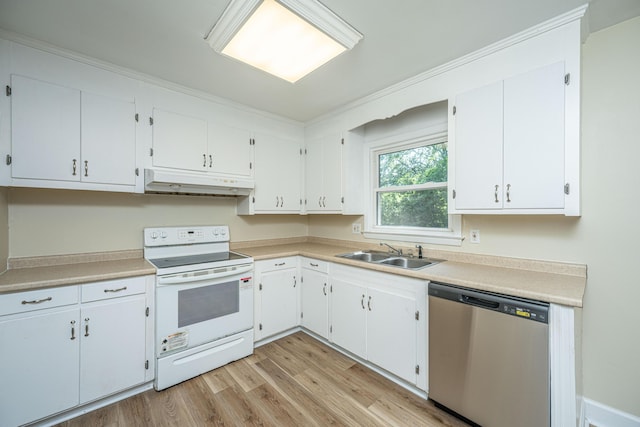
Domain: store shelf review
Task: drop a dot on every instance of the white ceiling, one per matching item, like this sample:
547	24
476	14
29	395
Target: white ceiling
165	39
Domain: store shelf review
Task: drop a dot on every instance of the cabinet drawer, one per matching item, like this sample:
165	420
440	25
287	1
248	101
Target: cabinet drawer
277	264
314	264
113	289
21	302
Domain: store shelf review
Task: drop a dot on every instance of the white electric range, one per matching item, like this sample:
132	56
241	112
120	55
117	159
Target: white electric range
204	301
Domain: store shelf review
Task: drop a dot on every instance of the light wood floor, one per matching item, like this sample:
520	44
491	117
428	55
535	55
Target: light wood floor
294	381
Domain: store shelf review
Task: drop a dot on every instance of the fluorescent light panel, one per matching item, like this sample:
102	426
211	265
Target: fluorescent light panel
269	36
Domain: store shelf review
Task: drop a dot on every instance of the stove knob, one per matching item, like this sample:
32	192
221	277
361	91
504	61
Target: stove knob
154	235
163	234
223	232
216	231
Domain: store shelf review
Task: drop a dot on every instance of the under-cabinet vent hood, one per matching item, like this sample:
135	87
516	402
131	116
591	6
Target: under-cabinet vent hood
181	182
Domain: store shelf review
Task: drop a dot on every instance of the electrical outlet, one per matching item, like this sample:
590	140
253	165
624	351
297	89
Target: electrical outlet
474	236
356	228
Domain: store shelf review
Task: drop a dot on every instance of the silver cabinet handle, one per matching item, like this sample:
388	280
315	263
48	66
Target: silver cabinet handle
508	193
73	330
124	288
281	202
279	264
86	168
75	166
86	326
320	201
369	303
313	265
295	281
495	194
277	202
324	289
324	200
36	301
204	160
362	301
210	160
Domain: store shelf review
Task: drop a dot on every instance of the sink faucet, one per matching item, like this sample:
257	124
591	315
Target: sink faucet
392	249
419	251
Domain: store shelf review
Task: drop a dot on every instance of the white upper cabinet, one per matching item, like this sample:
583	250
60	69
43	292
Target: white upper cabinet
323	174
194	142
64	134
179	141
230	150
277	175
45	127
108	131
509	145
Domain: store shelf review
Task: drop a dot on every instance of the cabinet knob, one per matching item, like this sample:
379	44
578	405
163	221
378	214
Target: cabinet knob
204	160
495	194
75	166
508	193
86	168
73	330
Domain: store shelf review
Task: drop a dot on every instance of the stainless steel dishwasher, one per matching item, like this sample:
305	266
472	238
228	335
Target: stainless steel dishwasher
489	356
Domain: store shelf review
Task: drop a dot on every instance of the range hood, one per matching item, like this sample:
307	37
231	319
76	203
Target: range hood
183	182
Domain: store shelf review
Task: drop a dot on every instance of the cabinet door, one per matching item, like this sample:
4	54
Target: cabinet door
391	332
534	139
108	140
478	148
349	316
112	346
332	173
45	130
278	299
314	188
315	306
323	174
230	150
179	141
39	365
277	174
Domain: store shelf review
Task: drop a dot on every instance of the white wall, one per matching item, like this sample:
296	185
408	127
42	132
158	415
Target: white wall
53	222
605	237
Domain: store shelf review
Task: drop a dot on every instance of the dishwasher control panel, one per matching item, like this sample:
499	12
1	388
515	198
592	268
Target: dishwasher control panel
527	312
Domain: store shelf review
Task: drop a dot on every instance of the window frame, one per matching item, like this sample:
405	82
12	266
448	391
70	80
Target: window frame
451	236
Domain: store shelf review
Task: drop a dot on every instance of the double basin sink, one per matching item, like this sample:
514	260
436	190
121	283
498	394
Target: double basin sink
383	258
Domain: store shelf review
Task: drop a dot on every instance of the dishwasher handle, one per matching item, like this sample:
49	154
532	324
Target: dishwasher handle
479	302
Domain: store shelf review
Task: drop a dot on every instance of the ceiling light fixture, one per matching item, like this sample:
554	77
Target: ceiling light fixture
286	38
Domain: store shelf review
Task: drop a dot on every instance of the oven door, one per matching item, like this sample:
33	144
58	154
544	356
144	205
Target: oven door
202	306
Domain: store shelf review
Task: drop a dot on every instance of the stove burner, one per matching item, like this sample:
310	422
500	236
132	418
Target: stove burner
180	261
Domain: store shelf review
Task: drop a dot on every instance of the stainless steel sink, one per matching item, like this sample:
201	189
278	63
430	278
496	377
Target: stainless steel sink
410	263
384	258
366	256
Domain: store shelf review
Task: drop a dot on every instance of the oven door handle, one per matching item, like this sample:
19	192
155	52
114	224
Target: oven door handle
177	279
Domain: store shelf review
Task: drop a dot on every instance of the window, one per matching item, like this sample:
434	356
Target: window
409	192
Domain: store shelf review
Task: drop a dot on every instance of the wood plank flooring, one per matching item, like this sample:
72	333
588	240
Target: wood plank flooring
294	381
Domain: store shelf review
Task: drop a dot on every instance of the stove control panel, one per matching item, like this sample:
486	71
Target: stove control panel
166	236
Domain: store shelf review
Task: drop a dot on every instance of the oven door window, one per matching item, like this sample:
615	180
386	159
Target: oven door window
208	302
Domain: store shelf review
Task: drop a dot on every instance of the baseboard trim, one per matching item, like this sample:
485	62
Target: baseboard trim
601	415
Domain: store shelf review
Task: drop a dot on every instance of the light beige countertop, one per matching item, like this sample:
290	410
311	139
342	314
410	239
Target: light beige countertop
552	282
46	272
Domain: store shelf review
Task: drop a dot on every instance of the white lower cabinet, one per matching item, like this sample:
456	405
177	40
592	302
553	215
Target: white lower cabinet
314	299
63	347
381	318
39	364
276	296
112	350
